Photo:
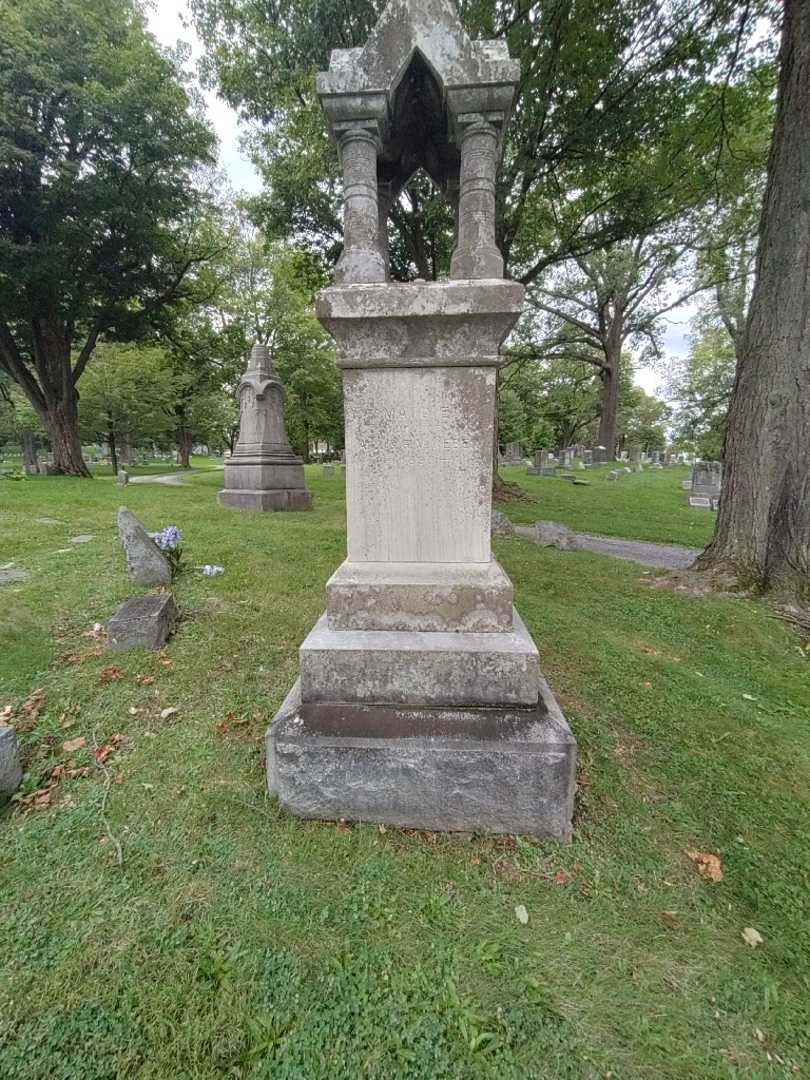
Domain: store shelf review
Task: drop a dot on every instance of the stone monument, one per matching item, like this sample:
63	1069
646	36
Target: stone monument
263	473
420	700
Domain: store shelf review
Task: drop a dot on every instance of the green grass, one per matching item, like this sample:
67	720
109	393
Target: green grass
235	941
642	506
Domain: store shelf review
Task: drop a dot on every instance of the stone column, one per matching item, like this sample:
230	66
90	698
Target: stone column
362	260
477	254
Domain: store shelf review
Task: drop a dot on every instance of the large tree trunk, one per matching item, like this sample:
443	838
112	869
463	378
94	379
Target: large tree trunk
62	421
113	448
29	449
763	527
184	442
609	407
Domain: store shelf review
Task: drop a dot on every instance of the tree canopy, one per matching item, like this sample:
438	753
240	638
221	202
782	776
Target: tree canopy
99	212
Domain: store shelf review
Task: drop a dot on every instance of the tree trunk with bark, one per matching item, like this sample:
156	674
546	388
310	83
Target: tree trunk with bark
61	418
184	442
112	446
609	403
29	449
763	527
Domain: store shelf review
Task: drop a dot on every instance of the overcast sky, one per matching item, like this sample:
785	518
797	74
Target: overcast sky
168	22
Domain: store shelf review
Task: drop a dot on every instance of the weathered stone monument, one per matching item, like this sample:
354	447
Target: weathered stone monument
263	473
706	485
542	465
420	700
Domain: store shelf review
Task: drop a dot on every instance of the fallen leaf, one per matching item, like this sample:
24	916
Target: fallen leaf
670	919
752	937
72	745
66	720
111	674
749	697
165	661
707	865
759	1035
521	914
144	680
133	711
647	685
108	748
561	878
6	714
166	713
32	706
222	729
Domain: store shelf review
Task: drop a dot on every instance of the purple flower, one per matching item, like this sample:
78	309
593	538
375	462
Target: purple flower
168	539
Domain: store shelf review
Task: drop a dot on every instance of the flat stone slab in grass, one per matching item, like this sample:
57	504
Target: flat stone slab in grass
500	525
552	534
82	538
11	575
10	764
144	622
146	563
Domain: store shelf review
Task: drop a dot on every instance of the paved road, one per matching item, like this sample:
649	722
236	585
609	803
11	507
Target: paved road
660	556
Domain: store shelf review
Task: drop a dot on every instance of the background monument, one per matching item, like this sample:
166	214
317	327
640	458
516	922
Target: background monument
263	473
420	700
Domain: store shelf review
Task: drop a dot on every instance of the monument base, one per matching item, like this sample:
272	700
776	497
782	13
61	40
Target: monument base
491	770
278	499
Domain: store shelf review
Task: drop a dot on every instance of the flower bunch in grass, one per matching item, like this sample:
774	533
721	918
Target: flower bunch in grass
168	540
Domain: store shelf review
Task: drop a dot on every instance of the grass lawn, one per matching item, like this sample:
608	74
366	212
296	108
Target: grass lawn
234	941
640	506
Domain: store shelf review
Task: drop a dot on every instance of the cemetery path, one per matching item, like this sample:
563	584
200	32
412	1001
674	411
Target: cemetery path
172	479
659	556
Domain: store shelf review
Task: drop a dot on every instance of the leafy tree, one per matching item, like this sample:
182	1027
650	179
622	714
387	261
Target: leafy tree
125	394
598	307
99	215
700	388
763	527
19	424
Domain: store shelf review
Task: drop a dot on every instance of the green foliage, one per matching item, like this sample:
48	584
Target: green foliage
700	386
99	141
127	393
549	403
623	116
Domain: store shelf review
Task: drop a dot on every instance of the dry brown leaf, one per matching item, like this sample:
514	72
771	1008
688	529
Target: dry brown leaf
222	729
32	706
108	748
561	878
707	865
111	674
752	937
6	714
72	745
144	680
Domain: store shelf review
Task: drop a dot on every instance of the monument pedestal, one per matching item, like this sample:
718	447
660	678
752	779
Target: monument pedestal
490	770
420	701
263	473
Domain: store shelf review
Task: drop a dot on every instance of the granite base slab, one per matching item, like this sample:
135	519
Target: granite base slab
413	668
265	501
497	770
